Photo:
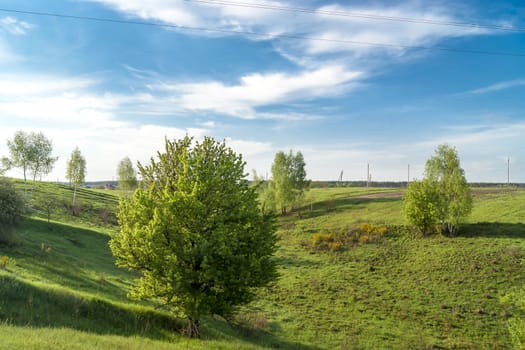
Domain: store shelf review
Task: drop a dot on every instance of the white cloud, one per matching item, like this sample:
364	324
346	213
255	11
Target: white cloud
24	85
174	12
332	29
329	66
257	90
249	148
14	26
498	86
69	100
68	112
365	30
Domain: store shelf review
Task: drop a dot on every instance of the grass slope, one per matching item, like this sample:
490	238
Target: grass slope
62	290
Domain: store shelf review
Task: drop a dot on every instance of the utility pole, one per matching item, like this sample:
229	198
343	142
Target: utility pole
408	177
367	174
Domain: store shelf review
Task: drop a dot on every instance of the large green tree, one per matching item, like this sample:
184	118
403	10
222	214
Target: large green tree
443	198
76	171
32	152
288	179
127	176
195	231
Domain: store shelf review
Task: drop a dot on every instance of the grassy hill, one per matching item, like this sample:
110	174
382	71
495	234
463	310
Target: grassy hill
61	289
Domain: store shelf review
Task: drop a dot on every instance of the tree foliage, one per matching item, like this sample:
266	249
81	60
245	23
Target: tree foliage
127	176
76	171
422	205
443	198
195	231
32	152
288	179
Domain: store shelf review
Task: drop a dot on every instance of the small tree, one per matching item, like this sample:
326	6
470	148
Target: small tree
288	179
42	163
76	171
127	176
443	198
32	153
456	201
196	232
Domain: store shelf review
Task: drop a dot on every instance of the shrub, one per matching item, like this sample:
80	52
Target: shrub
326	241
4	261
339	240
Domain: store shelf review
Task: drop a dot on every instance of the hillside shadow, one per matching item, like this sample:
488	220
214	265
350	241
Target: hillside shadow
73	257
493	230
25	305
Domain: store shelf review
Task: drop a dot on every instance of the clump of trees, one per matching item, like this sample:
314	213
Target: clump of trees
288	183
76	171
11	209
31	152
196	232
126	174
442	199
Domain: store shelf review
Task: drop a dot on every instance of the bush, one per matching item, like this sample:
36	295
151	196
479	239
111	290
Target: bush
11	209
339	240
4	261
326	241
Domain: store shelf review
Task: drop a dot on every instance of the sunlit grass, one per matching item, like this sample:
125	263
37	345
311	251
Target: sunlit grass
399	293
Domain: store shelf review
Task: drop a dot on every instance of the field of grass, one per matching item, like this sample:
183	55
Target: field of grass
60	288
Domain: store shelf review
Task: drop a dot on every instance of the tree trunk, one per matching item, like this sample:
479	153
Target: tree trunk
33	185
74	194
25	181
192	329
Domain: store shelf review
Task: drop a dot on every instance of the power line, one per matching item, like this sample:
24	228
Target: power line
261	34
359	15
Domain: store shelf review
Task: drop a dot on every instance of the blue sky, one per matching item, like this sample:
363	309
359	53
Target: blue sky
117	90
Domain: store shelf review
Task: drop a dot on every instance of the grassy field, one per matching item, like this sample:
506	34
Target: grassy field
60	288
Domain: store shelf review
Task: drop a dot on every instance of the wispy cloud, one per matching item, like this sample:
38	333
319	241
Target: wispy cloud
14	26
331	29
504	85
327	67
255	90
71	113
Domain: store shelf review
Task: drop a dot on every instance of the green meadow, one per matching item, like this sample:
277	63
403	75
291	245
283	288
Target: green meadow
60	288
